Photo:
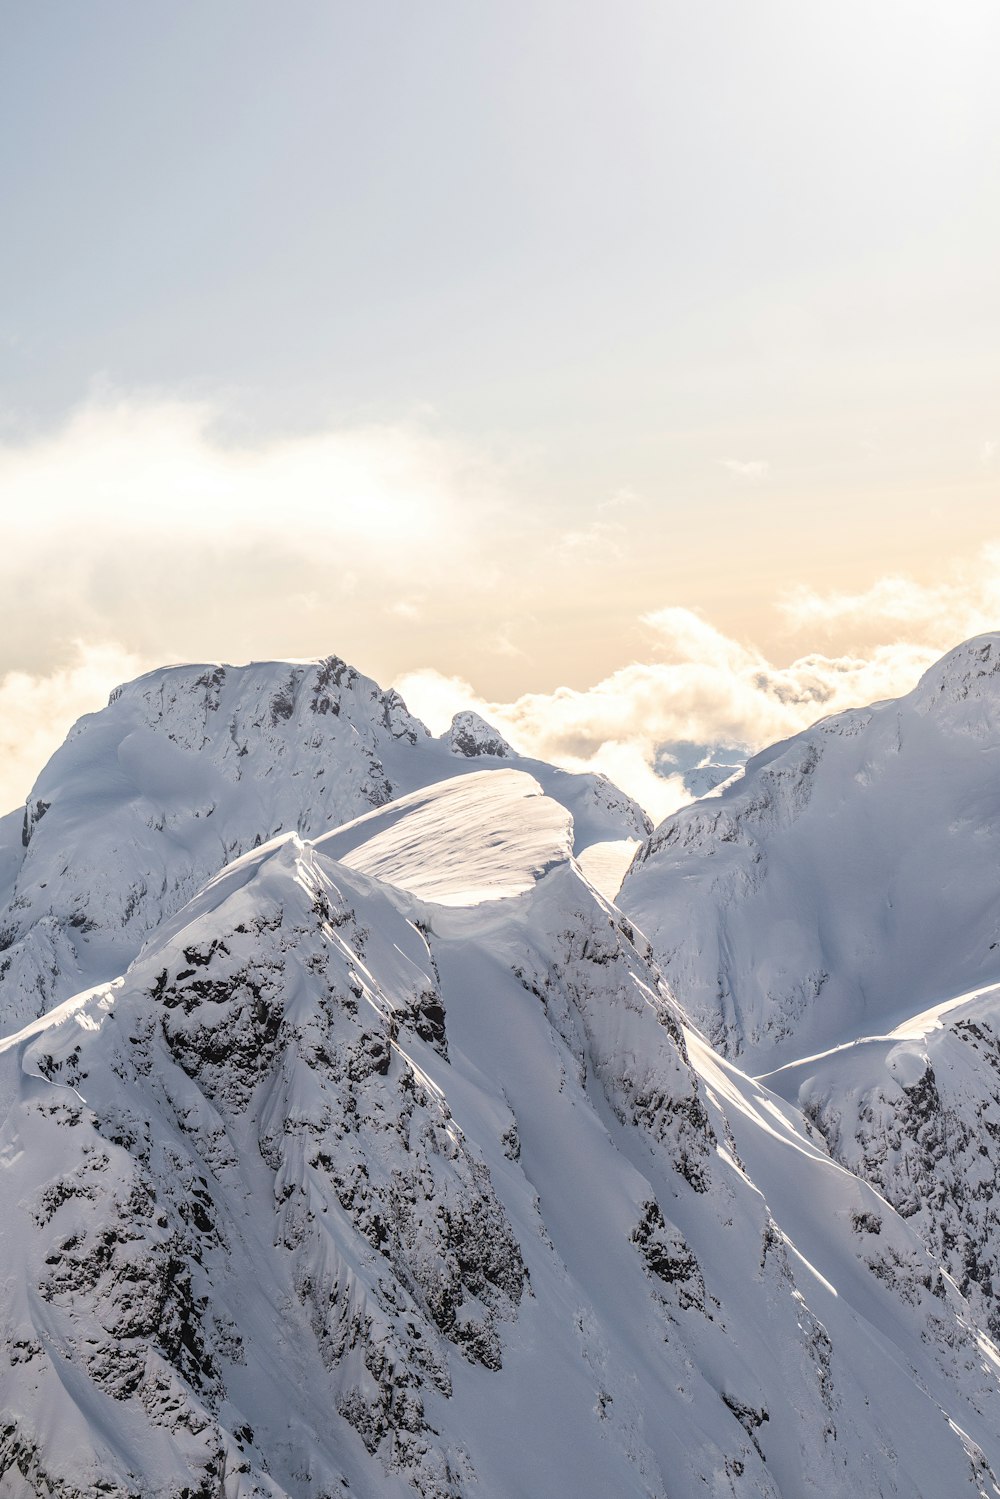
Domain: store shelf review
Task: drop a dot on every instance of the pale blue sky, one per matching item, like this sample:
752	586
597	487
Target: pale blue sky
542	219
515	322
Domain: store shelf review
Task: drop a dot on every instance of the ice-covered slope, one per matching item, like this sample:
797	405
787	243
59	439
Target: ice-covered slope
190	767
849	878
344	1191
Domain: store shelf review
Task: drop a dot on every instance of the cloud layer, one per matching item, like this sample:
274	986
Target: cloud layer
143	530
702	688
143	520
964	601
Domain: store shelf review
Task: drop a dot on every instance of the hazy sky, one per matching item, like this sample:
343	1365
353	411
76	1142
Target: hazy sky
474	339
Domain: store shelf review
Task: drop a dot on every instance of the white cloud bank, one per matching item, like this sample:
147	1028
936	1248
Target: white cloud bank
159	467
700	686
965	601
704	688
135	522
139	519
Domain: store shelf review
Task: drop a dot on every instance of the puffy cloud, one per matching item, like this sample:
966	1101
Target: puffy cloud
706	690
964	601
151	466
144	520
436	698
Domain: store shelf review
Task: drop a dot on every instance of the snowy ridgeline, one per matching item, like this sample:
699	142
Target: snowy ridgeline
391	1164
190	767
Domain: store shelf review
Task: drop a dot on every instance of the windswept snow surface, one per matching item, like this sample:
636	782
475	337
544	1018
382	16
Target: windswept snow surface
474	838
188	768
849	878
606	864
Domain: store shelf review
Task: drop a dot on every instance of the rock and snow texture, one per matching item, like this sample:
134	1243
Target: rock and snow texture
832	920
917	1114
188	768
391	1165
849	878
472	736
341	1190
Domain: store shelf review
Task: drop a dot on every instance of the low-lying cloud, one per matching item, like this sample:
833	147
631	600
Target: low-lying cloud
141	531
703	688
699	688
964	601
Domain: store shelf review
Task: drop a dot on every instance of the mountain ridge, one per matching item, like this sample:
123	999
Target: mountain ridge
812	897
337	1184
390	1160
189	767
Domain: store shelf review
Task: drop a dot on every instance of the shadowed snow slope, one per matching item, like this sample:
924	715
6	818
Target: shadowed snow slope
849	878
190	767
339	1190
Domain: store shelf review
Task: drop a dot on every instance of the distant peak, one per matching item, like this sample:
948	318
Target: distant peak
280	689
471	735
971	670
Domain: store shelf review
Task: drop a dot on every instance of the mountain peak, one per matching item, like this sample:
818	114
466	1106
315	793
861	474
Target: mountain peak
969	671
471	735
849	873
268	694
191	766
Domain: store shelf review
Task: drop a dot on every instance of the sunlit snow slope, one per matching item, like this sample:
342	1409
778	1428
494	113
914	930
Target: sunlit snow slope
469	839
848	879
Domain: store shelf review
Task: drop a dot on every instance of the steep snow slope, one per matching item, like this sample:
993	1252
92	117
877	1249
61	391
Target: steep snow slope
342	1190
917	1114
846	880
188	768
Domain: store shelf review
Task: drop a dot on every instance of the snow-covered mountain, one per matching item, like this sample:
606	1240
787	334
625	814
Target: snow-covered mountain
345	1189
379	1158
849	878
917	1113
190	767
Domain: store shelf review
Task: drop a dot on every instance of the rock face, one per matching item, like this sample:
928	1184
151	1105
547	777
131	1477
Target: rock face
189	768
846	880
341	1189
250	1186
472	736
